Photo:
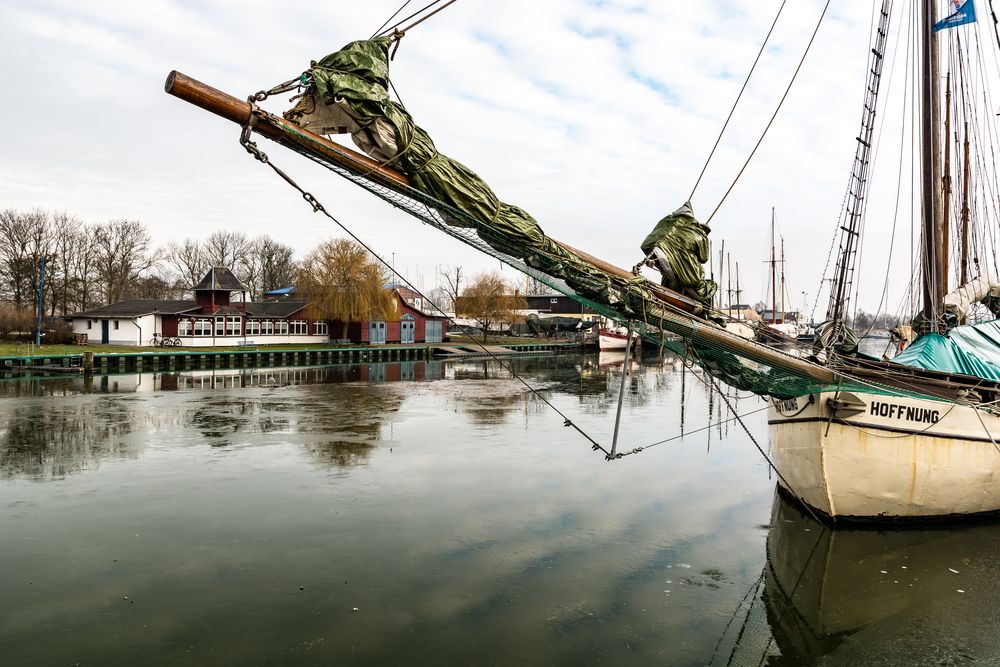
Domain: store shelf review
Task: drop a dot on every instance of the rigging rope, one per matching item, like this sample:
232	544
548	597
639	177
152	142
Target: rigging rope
738	96
394	14
399	32
775	115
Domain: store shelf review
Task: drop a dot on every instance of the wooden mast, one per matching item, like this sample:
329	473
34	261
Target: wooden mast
774	286
930	161
946	193
722	252
782	279
964	266
729	285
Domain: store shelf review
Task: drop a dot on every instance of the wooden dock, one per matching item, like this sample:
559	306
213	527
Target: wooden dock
179	359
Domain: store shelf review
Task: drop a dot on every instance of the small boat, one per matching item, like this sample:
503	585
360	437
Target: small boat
613	339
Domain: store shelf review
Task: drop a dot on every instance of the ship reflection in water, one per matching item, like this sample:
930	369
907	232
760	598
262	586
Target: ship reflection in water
888	597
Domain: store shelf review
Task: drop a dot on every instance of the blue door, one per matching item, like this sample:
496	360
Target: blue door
406	328
104	332
376	333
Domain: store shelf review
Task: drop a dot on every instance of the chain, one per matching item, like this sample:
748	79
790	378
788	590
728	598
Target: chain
252	148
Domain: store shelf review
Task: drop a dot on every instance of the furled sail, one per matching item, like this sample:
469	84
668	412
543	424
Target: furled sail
678	246
348	92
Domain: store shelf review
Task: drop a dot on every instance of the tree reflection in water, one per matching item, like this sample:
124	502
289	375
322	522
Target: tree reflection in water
45	440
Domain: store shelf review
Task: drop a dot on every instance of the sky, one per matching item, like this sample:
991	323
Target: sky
596	116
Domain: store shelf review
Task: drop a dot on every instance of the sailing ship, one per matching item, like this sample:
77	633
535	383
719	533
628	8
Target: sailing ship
853	437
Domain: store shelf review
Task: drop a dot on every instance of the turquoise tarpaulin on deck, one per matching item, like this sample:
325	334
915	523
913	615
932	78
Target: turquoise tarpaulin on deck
971	350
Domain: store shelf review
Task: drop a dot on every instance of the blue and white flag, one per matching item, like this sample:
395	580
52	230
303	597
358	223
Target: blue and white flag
965	12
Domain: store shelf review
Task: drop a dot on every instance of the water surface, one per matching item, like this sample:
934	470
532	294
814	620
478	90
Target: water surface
440	513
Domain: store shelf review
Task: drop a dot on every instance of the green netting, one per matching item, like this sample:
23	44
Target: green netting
473	214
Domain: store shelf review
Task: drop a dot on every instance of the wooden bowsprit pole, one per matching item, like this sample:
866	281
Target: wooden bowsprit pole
675	313
284	132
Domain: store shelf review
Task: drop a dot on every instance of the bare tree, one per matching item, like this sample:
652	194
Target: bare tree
491	300
188	259
122	255
277	264
25	238
453	285
226	248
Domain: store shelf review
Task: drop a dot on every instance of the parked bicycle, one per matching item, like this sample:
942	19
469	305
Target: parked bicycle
159	340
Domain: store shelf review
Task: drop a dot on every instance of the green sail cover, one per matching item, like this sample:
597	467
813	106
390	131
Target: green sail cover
684	242
348	93
970	350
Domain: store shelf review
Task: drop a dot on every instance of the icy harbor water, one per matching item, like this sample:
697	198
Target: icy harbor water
438	513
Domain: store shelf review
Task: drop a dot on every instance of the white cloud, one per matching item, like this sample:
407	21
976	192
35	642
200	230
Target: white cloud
594	117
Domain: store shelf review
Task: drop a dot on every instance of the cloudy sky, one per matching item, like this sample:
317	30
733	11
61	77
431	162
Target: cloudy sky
595	116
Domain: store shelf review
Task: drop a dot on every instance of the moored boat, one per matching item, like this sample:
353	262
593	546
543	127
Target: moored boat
612	339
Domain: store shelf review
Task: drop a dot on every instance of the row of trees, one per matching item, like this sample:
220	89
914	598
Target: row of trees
81	265
342	281
92	264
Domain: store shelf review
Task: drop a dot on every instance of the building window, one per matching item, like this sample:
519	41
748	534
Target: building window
90	324
116	325
253	327
553	300
320	329
234	325
220	326
267	327
299	328
281	328
184	327
203	327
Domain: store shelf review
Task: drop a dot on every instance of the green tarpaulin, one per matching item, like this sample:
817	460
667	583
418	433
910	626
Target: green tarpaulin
970	350
348	93
683	245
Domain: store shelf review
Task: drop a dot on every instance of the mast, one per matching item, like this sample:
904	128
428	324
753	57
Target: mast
946	193
738	290
782	279
729	284
930	168
722	252
774	287
964	267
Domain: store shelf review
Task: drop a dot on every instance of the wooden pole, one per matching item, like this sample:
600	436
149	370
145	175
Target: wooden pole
946	193
687	325
774	287
964	267
729	284
278	129
722	251
930	158
782	279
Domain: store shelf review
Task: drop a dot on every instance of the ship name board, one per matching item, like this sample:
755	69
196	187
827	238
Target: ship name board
905	412
787	405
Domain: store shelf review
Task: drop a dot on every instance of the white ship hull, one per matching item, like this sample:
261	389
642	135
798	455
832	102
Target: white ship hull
886	458
611	340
